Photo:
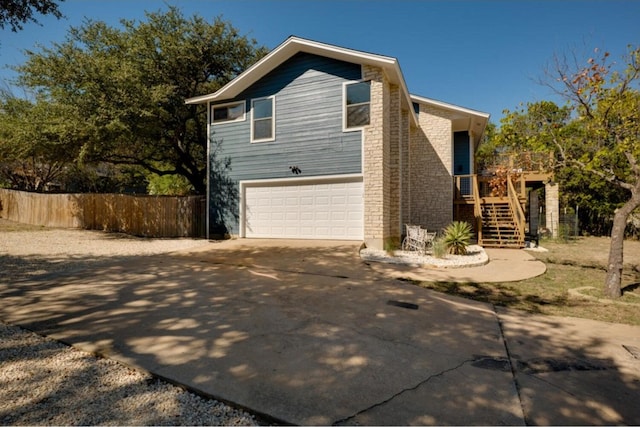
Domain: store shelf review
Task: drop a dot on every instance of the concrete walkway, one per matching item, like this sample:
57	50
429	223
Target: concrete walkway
307	333
505	265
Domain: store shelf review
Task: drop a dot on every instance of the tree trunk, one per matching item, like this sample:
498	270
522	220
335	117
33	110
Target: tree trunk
613	279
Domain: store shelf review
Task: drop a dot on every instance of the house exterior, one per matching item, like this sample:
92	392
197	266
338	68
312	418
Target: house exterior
326	142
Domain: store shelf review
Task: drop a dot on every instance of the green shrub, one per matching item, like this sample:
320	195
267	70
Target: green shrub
391	244
169	185
439	248
457	236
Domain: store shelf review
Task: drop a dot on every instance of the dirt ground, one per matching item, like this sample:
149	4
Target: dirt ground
584	251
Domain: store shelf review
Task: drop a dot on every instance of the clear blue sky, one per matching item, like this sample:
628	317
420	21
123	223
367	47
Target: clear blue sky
479	54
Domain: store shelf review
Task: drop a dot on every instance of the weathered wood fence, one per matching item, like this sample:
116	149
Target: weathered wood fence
150	216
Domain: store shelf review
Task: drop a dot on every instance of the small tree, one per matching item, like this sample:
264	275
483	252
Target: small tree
606	105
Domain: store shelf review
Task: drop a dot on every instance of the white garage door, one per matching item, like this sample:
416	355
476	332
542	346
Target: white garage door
332	210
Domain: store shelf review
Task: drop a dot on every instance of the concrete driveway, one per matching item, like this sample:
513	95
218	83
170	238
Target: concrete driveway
306	333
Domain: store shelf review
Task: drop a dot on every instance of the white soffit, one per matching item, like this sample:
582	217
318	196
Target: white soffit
477	119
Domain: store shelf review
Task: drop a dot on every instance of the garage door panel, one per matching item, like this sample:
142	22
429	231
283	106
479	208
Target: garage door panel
311	211
338	216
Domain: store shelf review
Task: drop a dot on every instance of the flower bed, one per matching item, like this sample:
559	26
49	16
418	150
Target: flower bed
476	256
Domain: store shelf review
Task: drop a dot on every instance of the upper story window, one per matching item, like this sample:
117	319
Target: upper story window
357	104
262	119
232	112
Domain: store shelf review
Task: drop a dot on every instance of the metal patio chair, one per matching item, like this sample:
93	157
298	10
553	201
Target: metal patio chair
417	239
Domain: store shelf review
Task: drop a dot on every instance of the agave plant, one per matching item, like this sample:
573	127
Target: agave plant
457	236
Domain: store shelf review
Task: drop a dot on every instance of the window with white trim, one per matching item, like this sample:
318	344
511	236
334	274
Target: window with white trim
357	105
231	112
262	119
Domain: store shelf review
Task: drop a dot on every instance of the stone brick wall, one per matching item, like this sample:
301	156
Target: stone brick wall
395	121
407	170
376	161
405	187
431	177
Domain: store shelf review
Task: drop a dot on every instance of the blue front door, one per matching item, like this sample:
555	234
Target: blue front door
462	160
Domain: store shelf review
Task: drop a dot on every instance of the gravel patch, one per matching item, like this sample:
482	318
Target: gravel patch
47	383
476	256
44	382
27	251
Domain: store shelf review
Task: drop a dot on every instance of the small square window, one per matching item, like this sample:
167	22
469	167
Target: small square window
228	112
357	104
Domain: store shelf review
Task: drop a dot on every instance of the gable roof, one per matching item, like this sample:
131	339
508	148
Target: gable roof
294	45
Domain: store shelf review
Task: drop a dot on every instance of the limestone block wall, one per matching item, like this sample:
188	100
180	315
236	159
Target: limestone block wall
395	196
377	162
408	176
431	177
405	185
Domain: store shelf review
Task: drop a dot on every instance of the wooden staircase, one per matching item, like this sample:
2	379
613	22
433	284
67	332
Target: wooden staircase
499	227
499	221
497	213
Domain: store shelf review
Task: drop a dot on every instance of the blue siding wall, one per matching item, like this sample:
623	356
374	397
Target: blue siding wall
308	124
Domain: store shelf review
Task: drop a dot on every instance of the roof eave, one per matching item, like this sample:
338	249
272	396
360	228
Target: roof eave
453	107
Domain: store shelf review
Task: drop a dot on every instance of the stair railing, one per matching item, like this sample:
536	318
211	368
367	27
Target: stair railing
516	208
477	208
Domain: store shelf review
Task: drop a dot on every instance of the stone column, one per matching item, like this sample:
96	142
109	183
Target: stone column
376	164
552	207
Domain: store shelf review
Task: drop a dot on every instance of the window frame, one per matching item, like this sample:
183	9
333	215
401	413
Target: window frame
228	105
345	109
273	119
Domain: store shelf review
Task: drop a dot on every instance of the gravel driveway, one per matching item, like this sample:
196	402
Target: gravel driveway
45	382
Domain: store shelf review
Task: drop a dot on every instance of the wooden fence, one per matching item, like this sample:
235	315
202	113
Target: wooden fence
149	216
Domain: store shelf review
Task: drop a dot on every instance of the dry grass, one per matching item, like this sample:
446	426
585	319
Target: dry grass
572	285
7	226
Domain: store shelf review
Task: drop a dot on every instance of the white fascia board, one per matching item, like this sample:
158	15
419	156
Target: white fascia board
421	99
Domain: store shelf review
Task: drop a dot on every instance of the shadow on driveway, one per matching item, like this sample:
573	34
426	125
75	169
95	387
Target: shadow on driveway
308	334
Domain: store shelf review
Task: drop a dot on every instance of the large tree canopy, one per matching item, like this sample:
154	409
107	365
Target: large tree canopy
125	87
19	12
